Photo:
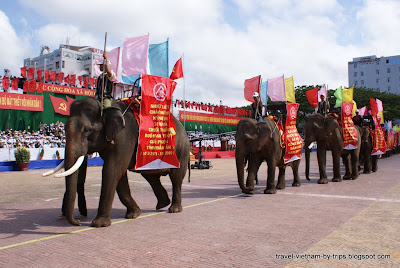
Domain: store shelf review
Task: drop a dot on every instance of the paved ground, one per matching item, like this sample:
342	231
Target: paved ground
346	224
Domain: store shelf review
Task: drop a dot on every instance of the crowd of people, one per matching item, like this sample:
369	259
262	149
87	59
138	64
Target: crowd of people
48	136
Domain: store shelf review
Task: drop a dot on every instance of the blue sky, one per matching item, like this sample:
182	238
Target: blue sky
224	42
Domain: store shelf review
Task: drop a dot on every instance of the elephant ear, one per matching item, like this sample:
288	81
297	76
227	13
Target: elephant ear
264	134
330	125
113	121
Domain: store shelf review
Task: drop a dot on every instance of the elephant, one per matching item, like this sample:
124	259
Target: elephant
256	142
325	130
369	162
115	137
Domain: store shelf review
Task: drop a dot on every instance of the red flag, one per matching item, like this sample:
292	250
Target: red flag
86	82
80	80
6	82
53	76
156	133
32	86
31	73
91	80
14	84
60	105
312	97
66	79
46	75
72	80
60	77
39	74
26	86
23	72
70	100
250	86
177	71
374	106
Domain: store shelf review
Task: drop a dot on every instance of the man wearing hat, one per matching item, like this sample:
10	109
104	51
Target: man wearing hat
256	107
109	78
323	106
358	119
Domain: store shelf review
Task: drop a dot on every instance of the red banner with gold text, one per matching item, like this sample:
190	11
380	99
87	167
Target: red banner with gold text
294	143
156	146
349	130
208	118
15	101
379	146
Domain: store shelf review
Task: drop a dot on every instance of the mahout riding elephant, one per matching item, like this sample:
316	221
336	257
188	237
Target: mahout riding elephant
256	142
115	137
329	136
369	162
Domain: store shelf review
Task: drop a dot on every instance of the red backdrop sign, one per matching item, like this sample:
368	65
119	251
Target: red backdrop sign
379	146
209	118
349	130
67	90
15	101
156	149
294	143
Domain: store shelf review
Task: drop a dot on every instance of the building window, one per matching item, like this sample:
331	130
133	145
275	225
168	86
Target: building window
377	80
377	71
355	74
389	88
362	82
387	61
355	65
355	83
57	65
63	64
388	70
362	73
388	79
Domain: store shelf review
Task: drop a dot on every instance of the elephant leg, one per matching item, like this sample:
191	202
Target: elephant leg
367	161
270	189
254	166
176	177
296	177
124	193
346	163
281	179
159	190
374	161
336	167
321	156
354	163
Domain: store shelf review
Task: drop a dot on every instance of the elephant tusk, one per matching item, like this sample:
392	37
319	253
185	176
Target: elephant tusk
74	168
311	145
60	166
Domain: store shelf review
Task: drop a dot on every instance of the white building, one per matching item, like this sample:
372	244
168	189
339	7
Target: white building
381	74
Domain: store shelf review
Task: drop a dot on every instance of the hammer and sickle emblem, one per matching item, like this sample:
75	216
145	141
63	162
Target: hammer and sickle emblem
63	107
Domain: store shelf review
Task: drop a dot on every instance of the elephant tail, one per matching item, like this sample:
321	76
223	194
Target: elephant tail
189	170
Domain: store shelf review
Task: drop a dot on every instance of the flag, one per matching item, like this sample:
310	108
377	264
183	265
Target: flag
379	105
26	86
293	141
31	73
39	74
390	124
264	92
276	89
339	97
70	100
387	127
177	71
348	94
60	105
91	81
134	55
32	86
158	59
374	106
289	88
362	111
323	91
350	134
312	97
72	80
86	82
113	57
250	86
46	75
66	79
53	76
60	77
5	82
379	143
354	108
14	84
23	72
80	80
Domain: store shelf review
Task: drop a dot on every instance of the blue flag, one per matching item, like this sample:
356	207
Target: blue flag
130	79
158	59
264	92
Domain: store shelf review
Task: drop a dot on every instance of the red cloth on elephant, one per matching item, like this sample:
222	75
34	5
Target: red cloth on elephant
134	106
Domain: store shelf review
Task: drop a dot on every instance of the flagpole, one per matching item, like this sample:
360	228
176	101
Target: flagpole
104	66
184	97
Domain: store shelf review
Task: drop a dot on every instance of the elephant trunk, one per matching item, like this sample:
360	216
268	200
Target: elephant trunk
307	154
240	170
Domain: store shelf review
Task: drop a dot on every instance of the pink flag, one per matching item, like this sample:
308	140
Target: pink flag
362	111
276	89
380	105
113	57
134	55
322	91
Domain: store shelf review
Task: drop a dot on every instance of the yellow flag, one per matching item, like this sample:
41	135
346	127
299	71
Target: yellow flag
289	87
354	108
380	114
348	94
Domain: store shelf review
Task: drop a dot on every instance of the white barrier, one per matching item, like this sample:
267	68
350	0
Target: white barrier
49	154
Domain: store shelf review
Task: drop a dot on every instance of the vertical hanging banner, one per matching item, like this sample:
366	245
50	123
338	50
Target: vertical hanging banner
156	146
294	143
379	144
349	130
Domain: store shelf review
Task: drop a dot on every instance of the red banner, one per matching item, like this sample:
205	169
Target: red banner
379	146
209	118
46	75
294	143
15	101
31	73
53	76
39	74
23	72
157	130
60	105
349	130
68	90
5	83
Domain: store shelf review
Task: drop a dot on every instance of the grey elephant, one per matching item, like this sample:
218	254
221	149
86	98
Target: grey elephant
256	142
87	131
328	134
368	161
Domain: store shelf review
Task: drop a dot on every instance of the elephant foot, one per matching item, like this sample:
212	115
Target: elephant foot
367	172
270	191
374	170
336	179
354	177
347	177
296	184
133	214
101	222
175	208
323	181
280	186
163	203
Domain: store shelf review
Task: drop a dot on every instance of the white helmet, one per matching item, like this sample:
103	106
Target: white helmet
255	94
